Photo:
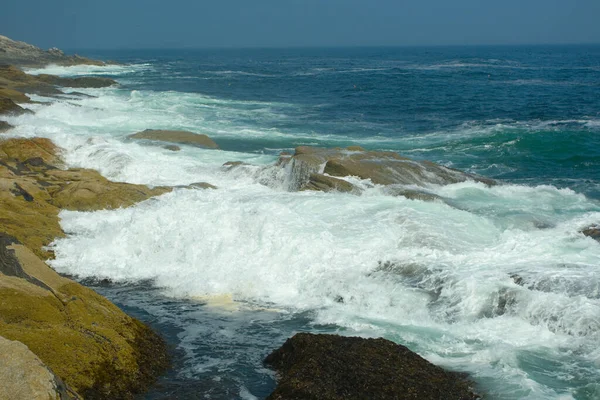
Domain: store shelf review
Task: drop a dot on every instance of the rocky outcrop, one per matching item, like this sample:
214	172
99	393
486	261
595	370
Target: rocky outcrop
14	82
331	367
27	55
24	376
88	342
314	168
181	137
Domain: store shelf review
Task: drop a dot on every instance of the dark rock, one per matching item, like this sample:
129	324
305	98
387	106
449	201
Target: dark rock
412	194
592	231
9	107
331	367
172	147
5	126
80	82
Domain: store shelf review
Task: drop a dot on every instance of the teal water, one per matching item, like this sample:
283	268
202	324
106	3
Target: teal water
226	275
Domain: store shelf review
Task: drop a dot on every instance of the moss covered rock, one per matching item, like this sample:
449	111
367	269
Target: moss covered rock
331	367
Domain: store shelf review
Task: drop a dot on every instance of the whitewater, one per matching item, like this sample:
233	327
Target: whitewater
498	282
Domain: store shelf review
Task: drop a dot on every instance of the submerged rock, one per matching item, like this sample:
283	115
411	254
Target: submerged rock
24	375
331	367
182	137
381	167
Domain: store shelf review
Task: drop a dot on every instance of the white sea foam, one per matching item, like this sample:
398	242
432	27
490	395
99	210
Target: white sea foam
80	70
474	281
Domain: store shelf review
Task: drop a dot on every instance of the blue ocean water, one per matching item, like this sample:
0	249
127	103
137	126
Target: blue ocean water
497	281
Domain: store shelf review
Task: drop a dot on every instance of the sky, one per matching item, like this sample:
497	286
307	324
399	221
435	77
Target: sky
115	24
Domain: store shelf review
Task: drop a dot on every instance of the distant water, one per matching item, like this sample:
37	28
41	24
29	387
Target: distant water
228	274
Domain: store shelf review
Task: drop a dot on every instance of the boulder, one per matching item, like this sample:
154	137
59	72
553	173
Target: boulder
331	367
25	376
182	137
381	167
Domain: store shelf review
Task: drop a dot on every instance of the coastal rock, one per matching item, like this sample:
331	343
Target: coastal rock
35	188
592	231
381	167
5	126
14	95
327	183
13	79
80	82
24	375
182	137
172	147
88	342
9	107
331	367
27	55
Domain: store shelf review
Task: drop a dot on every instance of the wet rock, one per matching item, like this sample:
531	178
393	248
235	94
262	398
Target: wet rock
332	367
13	79
411	194
5	126
14	95
182	137
233	164
27	55
172	147
592	231
9	107
80	82
381	167
25	376
326	183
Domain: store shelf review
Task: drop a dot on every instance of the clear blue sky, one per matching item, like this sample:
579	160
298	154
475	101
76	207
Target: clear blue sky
275	23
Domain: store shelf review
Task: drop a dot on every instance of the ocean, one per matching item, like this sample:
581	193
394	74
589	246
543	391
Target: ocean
497	282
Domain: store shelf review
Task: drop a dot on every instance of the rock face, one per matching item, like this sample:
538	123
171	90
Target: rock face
27	55
313	168
24	375
182	137
331	367
88	342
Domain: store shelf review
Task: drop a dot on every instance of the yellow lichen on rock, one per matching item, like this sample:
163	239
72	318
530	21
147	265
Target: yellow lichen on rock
88	342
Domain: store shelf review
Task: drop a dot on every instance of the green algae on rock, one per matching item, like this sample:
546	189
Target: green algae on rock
332	367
